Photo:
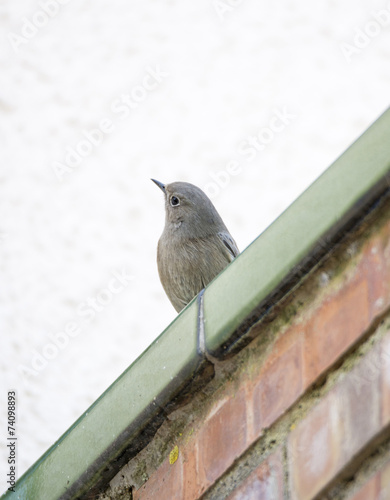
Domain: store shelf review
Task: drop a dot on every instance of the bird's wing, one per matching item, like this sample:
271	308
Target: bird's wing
230	244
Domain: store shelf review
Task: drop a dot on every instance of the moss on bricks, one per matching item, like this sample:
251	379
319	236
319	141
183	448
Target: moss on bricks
118	493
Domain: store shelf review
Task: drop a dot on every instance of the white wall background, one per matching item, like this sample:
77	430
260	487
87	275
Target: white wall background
227	75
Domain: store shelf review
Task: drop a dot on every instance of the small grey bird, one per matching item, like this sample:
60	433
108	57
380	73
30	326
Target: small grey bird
195	245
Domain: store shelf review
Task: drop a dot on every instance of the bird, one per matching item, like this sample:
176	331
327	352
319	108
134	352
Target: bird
195	245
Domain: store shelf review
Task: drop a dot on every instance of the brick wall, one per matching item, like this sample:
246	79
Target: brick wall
301	412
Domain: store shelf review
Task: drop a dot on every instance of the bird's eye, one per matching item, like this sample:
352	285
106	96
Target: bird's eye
175	201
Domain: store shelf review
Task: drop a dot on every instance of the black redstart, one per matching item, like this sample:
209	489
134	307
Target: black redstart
195	245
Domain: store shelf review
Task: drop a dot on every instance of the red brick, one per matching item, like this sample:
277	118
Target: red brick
369	491
385	251
193	482
384	487
375	266
359	398
265	482
372	266
335	326
342	423
385	360
279	383
376	488
167	478
222	438
314	451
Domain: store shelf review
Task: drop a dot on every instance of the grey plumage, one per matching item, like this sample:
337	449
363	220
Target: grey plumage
195	245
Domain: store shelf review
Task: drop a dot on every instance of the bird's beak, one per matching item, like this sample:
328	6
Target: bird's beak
160	185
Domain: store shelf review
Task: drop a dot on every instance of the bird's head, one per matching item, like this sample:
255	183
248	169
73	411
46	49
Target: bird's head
189	209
